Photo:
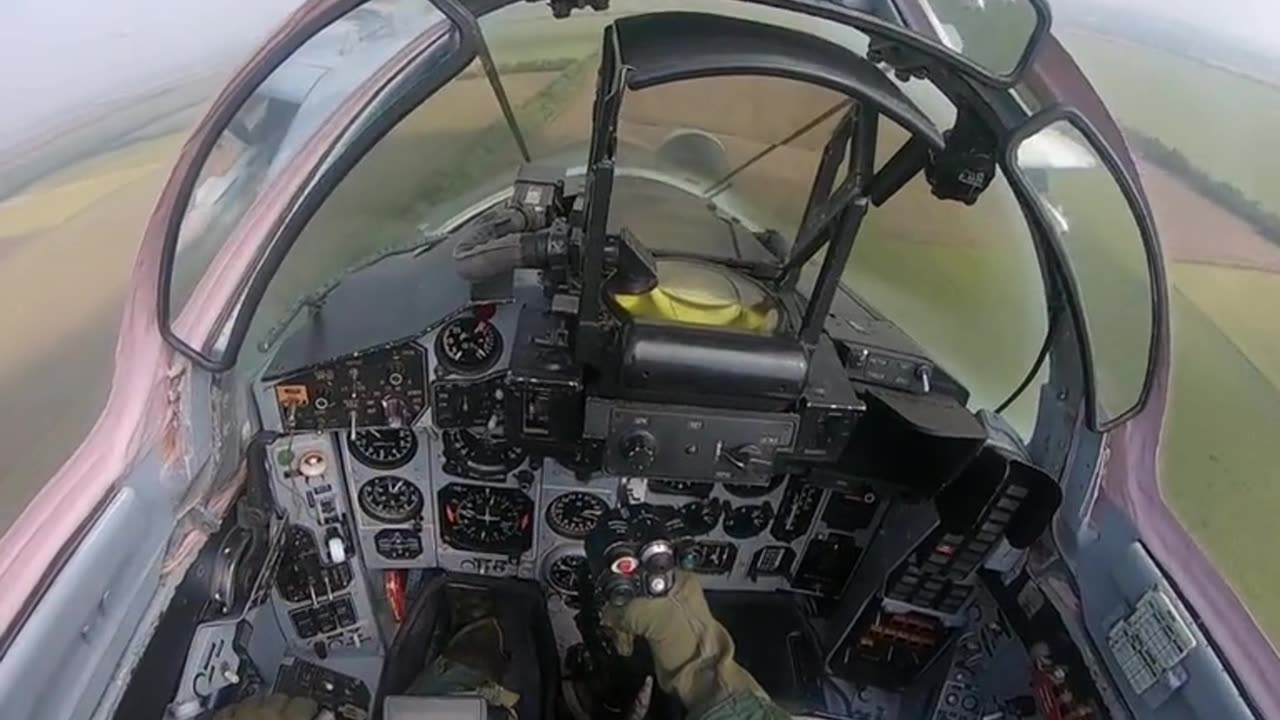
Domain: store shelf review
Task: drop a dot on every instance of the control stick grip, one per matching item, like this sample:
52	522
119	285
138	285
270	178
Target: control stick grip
631	553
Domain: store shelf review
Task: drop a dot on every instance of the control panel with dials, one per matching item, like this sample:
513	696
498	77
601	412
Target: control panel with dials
385	387
696	444
438	483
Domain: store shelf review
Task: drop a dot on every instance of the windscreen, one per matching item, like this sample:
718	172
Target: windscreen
712	137
713	170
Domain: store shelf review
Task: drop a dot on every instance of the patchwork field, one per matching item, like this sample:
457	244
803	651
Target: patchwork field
1223	122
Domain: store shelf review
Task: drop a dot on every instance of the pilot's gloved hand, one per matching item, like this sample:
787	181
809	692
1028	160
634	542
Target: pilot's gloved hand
692	653
272	707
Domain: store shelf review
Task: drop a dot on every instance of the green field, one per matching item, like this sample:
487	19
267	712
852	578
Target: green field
1223	122
1218	472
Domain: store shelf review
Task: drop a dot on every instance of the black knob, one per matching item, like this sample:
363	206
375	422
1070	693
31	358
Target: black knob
748	459
638	449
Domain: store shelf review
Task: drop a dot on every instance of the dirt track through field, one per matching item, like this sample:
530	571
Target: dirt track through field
1195	229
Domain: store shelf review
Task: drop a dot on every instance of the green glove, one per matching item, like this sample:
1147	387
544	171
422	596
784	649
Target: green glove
692	652
273	707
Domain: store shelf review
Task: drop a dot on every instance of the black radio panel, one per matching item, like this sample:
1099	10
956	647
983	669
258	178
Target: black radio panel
544	384
686	443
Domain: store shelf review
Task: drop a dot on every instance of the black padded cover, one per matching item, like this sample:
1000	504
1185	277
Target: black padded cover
672	46
718	367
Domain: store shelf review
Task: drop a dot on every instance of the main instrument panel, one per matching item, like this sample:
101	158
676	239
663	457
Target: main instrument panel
415	430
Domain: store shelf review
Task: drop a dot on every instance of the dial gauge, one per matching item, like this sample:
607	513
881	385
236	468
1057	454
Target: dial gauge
701	516
574	514
562	576
747	521
470	454
383	449
390	499
468	345
485	519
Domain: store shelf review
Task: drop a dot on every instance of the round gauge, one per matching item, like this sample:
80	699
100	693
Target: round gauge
701	516
562	576
753	491
747	521
486	519
476	456
384	448
390	499
468	345
574	514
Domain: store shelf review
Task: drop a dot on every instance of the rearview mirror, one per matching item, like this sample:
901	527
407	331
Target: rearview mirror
1107	239
1000	36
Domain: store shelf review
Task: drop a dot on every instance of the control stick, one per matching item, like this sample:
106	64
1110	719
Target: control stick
631	553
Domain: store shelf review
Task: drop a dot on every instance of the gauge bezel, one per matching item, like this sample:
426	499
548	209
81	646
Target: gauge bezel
362	456
399	518
452	496
559	529
458	446
453	366
570	596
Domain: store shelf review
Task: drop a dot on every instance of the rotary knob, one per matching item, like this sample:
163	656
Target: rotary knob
638	449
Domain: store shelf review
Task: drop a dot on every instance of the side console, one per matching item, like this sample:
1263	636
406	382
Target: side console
321	600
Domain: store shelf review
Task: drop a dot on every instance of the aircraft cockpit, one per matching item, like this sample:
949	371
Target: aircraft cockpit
609	369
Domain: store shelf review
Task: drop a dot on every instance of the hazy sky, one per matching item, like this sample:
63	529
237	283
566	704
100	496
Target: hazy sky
1256	22
59	55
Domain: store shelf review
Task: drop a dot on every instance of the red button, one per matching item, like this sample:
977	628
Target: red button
625	565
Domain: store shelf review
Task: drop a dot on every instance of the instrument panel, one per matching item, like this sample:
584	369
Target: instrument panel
435	483
381	388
